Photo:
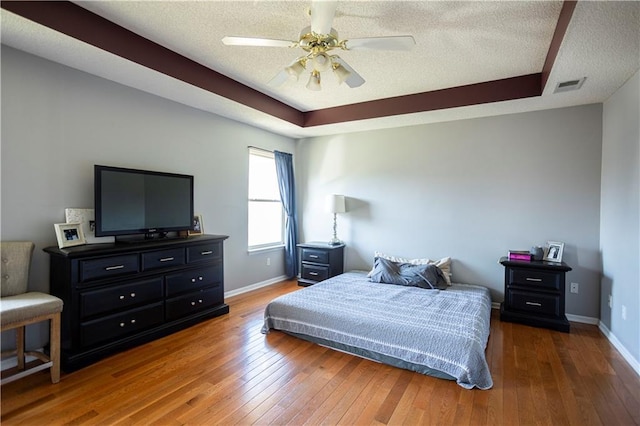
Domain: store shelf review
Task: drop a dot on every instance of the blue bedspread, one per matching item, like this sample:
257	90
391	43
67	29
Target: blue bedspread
429	331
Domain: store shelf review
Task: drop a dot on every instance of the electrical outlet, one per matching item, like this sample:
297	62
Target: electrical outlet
610	301
575	287
268	261
624	312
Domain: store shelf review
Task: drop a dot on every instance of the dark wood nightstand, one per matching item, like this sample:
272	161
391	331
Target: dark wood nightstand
534	293
319	261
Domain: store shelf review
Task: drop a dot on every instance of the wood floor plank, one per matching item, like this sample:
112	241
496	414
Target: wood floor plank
225	371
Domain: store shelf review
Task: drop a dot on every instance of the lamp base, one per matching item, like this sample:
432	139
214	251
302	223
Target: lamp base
335	242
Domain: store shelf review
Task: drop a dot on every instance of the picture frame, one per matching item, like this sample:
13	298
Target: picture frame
198	225
86	219
553	252
69	234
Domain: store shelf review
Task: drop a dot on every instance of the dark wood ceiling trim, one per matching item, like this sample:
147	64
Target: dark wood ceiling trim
561	28
79	23
474	94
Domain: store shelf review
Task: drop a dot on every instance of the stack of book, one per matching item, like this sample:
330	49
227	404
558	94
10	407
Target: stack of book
520	255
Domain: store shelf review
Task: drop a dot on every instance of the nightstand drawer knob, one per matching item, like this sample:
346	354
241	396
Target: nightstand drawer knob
533	304
537	280
314	256
315	274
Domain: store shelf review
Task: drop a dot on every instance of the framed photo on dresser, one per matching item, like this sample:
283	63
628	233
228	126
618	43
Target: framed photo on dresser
553	251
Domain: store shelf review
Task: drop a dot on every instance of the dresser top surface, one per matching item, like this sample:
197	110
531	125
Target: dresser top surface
120	247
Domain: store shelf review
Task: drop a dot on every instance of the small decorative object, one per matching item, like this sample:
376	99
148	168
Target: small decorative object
335	204
69	234
520	255
198	225
86	219
537	252
553	252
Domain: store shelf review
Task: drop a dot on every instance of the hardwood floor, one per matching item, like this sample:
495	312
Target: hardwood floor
225	371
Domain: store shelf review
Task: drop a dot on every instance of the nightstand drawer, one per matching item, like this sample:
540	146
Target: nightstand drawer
545	304
314	272
315	256
535	278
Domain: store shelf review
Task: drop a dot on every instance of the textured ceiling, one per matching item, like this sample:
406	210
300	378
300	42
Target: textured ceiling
457	44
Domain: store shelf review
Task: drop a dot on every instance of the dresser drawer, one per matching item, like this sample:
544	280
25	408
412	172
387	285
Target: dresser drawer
194	302
540	303
107	267
195	279
120	325
120	297
204	252
314	272
316	256
534	278
162	258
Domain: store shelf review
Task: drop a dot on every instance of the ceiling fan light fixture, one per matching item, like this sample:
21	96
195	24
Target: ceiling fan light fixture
314	81
341	72
295	69
321	62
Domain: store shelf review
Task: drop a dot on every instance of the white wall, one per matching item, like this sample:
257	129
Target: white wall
58	122
469	189
620	216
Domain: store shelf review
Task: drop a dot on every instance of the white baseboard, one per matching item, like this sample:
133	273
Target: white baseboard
620	347
255	286
583	319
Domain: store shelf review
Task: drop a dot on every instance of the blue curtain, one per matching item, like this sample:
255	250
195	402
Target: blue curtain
286	184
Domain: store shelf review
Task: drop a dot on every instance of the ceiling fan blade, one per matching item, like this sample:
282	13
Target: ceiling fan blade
257	41
355	79
322	13
279	78
381	43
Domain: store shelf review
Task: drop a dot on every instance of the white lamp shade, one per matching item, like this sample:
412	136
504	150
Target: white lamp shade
336	204
342	73
314	81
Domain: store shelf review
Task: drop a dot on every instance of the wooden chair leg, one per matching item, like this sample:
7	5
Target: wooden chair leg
20	347
54	347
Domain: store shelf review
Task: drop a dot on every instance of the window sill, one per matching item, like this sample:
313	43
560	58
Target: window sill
265	249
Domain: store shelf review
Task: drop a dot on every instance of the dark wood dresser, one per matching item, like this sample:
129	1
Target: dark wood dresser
120	295
319	261
534	293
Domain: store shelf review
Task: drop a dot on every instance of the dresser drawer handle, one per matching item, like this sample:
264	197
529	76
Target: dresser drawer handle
133	295
537	280
314	256
133	321
167	259
121	297
121	324
533	304
112	268
315	274
205	253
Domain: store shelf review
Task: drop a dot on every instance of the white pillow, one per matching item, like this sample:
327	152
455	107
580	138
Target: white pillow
444	264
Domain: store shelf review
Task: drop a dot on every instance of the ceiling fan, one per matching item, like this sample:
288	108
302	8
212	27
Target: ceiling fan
318	42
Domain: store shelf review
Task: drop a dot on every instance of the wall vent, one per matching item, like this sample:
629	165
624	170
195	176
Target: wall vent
569	85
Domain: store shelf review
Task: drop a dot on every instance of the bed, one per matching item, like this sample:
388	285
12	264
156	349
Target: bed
442	333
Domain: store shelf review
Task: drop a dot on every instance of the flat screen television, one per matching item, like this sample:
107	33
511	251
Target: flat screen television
136	202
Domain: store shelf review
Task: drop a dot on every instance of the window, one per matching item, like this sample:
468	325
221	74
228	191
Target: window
266	216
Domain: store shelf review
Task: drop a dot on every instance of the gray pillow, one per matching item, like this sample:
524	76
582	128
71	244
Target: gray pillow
423	276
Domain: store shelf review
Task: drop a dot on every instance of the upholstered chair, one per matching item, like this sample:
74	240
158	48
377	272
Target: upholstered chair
19	308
